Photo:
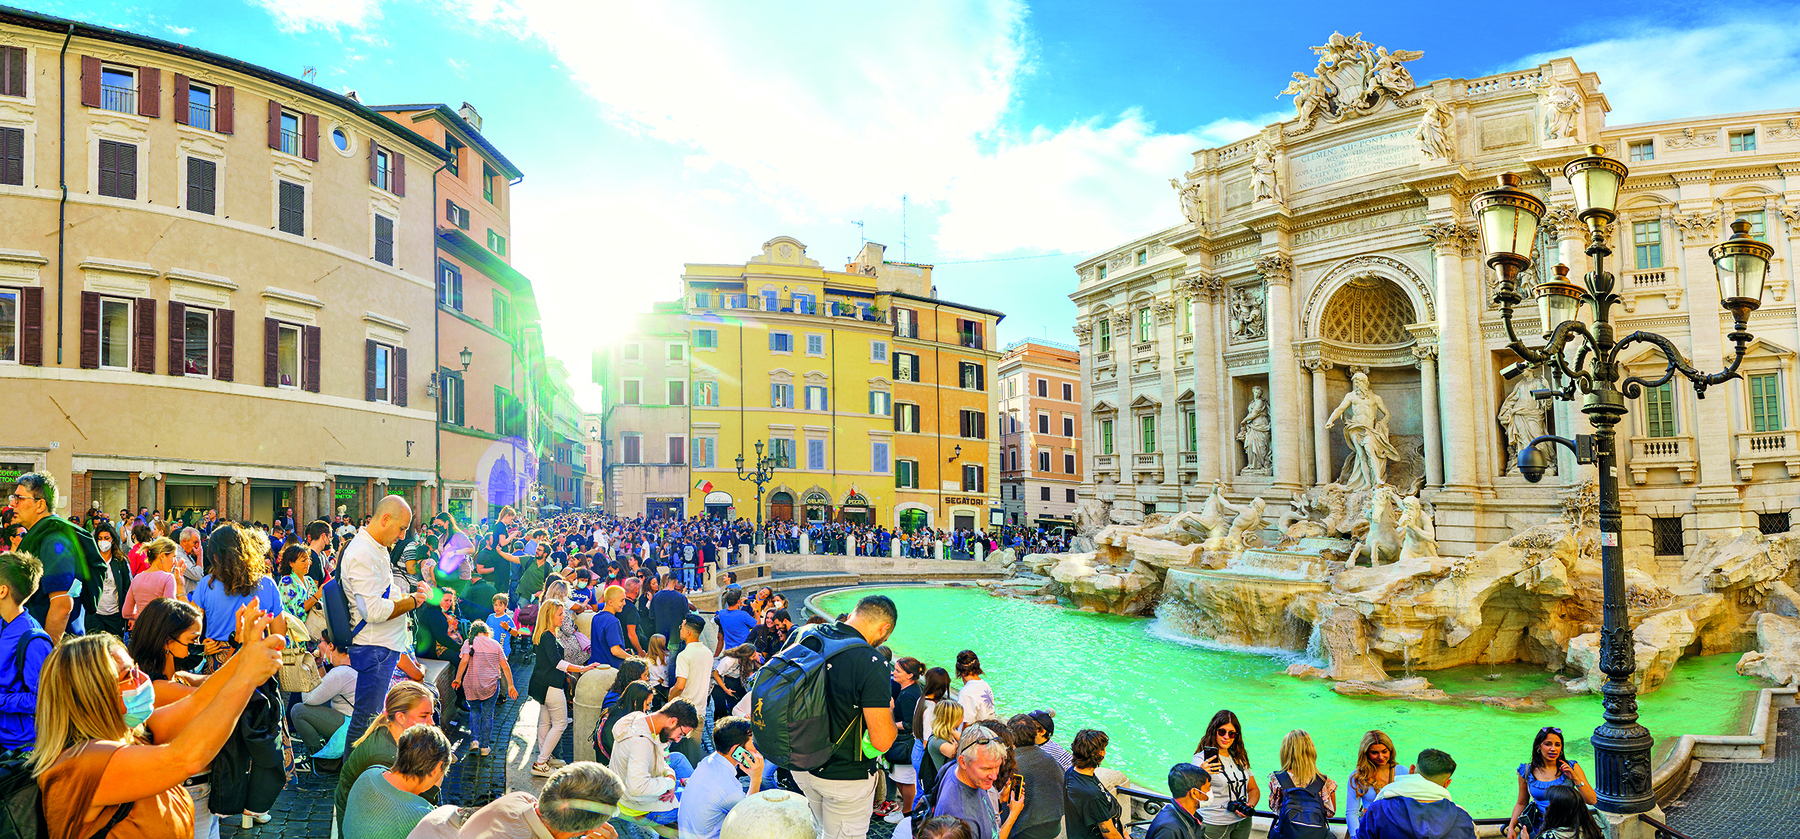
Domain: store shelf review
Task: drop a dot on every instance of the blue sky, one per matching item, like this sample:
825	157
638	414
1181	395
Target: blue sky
1024	137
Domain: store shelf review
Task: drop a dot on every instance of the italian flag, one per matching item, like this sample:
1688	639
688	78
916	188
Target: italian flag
703	485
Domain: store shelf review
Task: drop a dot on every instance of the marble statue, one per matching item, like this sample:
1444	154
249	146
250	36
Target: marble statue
1437	131
1266	188
1246	315
1243	530
1216	515
1256	432
1193	203
1365	418
1523	417
1327	506
1352	78
1383	539
1418	537
1561	105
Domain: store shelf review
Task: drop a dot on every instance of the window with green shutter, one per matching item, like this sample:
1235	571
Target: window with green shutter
1106	436
1105	333
1765	403
1659	410
1147	428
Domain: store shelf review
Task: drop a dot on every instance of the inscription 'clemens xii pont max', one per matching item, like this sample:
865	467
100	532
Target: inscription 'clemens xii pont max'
1354	159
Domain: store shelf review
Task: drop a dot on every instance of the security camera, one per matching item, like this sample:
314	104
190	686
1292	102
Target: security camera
1515	371
1533	463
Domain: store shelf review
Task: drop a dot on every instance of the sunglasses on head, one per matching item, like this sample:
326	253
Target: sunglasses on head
980	739
1550	729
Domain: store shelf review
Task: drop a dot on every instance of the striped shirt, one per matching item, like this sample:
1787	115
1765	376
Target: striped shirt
482	679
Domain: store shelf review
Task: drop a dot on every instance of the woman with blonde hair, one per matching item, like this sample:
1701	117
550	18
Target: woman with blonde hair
657	652
1302	797
408	704
940	748
549	685
1375	769
107	758
157	579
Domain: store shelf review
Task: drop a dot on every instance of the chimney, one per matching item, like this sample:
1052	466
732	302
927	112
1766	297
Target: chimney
470	115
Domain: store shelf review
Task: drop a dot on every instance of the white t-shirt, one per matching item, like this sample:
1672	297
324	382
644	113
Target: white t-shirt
1213	811
695	663
977	700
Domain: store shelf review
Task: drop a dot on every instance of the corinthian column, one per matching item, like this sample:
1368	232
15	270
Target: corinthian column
1277	271
1203	289
1321	434
1457	384
1428	413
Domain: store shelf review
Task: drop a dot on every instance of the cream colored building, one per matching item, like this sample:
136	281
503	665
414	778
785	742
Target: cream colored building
233	305
644	443
1341	241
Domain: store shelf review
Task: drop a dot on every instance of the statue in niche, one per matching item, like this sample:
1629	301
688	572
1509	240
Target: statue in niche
1437	131
1524	417
1256	432
1265	188
1193	204
1418	536
1561	105
1365	418
1246	315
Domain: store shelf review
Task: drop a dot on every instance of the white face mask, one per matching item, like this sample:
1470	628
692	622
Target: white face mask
105	544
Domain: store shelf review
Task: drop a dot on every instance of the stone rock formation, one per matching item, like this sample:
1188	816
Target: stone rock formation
1779	660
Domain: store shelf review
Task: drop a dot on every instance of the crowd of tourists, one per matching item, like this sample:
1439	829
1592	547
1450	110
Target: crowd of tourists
162	673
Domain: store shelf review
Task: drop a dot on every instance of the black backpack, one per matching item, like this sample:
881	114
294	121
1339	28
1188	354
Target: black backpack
1302	813
22	801
790	707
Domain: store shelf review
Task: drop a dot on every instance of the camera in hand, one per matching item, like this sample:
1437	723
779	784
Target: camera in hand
1239	808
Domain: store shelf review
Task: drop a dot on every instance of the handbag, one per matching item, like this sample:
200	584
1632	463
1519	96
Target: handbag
299	671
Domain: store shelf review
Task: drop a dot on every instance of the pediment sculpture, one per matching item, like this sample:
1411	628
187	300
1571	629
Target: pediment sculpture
1352	78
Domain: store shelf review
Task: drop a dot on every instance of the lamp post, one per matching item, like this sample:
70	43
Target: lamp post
1509	222
763	473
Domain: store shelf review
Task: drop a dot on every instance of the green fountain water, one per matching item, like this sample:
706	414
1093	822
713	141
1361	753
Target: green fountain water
1153	693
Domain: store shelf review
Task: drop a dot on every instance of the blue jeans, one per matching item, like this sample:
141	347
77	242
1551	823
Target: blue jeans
482	717
374	668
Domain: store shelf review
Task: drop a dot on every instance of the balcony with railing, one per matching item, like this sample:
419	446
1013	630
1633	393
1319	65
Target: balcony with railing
1651	282
1758	447
811	307
117	98
1649	453
290	142
200	116
1147	467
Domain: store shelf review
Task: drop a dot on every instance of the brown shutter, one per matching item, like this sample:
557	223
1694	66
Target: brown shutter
369	370
181	100
224	108
274	124
31	308
400	175
310	136
177	338
309	359
90	330
399	384
12	62
149	92
143	337
90	81
373	148
271	352
225	340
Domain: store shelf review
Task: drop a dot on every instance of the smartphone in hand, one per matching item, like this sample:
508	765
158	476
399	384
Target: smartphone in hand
1015	787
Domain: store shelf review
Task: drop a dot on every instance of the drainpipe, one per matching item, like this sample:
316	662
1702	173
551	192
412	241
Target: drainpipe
62	177
437	362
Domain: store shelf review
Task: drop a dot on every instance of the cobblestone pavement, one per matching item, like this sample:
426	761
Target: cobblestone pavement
1744	800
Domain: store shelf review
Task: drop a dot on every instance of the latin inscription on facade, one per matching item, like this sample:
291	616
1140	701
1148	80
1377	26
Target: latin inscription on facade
1355	159
1359	225
1500	132
1237	193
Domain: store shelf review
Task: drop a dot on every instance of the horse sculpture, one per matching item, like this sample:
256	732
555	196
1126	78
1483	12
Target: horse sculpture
1384	540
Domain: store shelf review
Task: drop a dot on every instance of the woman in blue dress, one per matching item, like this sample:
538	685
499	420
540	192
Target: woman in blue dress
1376	767
1548	768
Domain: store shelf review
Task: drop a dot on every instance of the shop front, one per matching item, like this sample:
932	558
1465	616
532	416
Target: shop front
818	506
856	509
664	508
187	499
718	504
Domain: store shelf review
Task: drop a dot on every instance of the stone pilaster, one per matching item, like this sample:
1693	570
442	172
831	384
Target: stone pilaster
1456	385
1277	271
1321	435
1429	415
1204	290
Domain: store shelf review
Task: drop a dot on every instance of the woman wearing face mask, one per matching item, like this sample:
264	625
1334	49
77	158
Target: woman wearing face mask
158	580
114	583
166	634
325	709
107	755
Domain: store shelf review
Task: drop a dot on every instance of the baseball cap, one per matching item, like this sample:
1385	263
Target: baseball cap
1045	720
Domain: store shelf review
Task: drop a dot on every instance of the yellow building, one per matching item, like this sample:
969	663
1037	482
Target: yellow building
813	364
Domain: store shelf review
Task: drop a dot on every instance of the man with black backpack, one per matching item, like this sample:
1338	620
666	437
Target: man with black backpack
832	668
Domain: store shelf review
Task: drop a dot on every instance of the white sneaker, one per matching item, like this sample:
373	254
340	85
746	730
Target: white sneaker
895	817
558	762
542	770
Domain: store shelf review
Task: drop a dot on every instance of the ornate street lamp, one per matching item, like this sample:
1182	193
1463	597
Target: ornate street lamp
762	474
1509	220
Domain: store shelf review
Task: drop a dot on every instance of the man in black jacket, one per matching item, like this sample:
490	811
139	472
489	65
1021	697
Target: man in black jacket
1189	785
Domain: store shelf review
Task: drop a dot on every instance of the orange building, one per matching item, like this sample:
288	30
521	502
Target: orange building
944	362
1039	391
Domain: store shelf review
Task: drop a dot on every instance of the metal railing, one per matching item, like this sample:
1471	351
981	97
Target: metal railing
200	116
290	142
121	99
1664	831
1152	803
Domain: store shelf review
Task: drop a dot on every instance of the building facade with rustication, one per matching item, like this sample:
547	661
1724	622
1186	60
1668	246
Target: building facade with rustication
1341	242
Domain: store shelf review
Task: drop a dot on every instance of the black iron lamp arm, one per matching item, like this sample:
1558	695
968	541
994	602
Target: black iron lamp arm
1565	333
1634	385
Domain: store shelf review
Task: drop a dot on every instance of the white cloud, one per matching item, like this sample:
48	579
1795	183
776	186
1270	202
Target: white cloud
1749	63
320	14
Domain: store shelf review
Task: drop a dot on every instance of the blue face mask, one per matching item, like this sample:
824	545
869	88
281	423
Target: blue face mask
139	703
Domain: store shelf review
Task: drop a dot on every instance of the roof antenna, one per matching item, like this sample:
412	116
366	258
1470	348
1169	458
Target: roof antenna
308	73
860	234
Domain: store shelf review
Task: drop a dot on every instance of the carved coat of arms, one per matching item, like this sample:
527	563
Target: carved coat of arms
1351	79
